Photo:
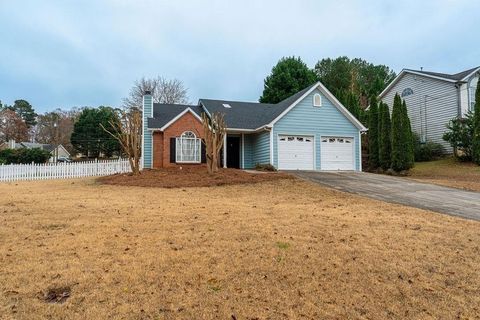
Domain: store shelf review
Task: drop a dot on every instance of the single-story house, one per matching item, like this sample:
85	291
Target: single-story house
56	151
311	130
433	99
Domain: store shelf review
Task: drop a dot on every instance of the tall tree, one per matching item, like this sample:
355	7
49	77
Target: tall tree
358	76
56	127
410	135
89	136
385	127
25	110
12	127
373	159
401	137
288	76
476	127
163	91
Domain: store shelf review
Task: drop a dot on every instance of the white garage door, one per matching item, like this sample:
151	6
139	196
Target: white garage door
295	152
337	153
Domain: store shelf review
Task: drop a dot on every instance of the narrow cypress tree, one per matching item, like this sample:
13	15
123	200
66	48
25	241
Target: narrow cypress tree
410	138
476	127
399	141
373	134
385	140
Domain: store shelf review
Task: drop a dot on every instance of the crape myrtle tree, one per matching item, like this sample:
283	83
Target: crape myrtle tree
476	127
384	139
373	136
402	140
289	76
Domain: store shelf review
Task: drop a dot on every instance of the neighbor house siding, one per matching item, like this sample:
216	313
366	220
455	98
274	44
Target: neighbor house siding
147	135
305	119
431	106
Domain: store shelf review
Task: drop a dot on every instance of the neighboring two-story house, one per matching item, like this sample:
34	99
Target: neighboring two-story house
433	99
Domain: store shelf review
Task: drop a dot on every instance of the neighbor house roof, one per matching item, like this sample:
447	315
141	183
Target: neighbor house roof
250	115
454	78
164	113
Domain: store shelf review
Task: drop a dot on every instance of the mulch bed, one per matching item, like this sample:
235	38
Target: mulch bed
179	177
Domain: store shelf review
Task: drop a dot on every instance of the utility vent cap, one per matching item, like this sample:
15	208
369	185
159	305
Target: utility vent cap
226	105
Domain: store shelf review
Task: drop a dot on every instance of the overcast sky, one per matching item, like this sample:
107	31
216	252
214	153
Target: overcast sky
88	53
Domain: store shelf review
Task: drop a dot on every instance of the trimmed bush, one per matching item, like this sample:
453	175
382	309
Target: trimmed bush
427	151
17	156
460	135
373	161
265	167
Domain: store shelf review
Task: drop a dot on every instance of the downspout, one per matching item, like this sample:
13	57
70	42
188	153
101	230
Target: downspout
458	85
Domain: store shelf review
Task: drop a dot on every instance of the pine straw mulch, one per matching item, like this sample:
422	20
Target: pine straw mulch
191	176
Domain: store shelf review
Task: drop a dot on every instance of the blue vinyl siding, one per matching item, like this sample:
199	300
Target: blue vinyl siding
327	120
147	135
257	149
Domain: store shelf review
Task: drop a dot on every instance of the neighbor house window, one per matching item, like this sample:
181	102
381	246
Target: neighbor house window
188	148
472	97
317	100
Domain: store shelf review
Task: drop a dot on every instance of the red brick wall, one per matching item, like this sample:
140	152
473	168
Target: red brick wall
161	141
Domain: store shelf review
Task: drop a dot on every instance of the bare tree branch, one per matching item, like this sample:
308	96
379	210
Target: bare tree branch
163	91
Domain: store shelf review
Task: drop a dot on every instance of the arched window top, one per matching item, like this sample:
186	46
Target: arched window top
407	92
188	135
317	100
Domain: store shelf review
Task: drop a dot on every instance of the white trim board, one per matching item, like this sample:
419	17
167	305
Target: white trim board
329	96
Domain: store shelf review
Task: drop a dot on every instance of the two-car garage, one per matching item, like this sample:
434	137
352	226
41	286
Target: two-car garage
297	152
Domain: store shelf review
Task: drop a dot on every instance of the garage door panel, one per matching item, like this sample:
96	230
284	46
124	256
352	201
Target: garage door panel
295	152
337	153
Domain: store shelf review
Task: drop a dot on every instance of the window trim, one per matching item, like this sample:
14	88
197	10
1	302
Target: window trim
197	144
319	97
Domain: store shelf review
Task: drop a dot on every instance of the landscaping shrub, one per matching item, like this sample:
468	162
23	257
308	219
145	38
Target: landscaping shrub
460	136
427	151
265	167
17	156
402	140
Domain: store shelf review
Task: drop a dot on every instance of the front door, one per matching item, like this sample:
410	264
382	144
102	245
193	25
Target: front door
233	152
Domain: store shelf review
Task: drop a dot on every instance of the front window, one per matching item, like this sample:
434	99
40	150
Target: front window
188	148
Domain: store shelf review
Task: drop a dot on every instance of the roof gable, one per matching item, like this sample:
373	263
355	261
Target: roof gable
453	78
166	114
326	93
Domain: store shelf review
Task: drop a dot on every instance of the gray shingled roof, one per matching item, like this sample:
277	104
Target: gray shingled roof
164	113
241	115
456	77
250	115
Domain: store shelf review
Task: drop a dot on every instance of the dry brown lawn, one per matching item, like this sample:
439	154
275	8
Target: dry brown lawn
286	249
448	172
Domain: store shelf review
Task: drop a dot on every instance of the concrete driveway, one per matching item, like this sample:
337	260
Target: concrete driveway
465	204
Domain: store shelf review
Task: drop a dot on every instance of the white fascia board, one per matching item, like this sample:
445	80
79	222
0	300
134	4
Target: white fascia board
471	74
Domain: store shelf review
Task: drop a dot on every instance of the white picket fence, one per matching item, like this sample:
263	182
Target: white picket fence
44	171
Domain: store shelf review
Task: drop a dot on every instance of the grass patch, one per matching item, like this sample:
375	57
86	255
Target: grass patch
448	172
148	253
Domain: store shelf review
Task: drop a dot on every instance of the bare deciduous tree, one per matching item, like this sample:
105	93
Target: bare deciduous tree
12	127
56	127
215	129
163	91
127	129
